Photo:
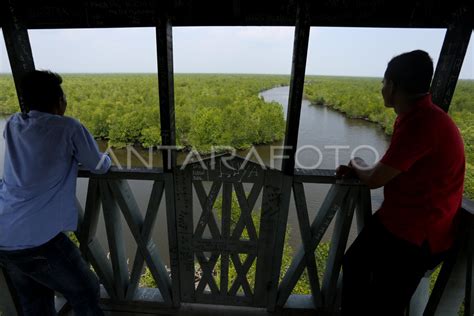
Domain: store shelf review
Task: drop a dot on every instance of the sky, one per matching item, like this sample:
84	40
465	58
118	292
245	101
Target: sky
260	50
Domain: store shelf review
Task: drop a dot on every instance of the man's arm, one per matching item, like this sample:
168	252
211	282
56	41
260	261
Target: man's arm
375	176
86	151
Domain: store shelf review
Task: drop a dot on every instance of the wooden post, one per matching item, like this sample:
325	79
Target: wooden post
164	41
298	67
281	224
450	60
171	214
21	61
18	47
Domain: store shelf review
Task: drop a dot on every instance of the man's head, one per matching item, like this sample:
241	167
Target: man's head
42	92
407	77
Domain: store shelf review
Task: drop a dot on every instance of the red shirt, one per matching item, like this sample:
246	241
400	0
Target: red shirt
421	202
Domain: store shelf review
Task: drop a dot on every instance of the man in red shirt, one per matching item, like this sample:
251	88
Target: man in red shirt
422	173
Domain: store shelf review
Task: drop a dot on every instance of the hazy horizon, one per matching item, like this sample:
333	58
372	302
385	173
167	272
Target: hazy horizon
211	73
333	51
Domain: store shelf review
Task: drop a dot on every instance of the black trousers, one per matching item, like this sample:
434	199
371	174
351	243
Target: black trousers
36	273
381	272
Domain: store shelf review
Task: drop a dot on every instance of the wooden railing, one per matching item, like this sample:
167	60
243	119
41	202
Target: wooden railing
343	200
113	192
258	252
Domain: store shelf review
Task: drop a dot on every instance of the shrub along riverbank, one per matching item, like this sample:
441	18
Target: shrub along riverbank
210	109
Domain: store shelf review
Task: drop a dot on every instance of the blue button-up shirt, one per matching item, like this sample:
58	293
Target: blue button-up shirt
38	190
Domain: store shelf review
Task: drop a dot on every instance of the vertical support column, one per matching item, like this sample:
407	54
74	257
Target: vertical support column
298	68
164	41
283	201
451	58
18	46
172	217
21	61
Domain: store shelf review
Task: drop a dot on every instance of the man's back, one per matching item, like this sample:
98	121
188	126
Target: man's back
420	203
38	201
37	195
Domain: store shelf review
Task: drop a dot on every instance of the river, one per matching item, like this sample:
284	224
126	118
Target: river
321	132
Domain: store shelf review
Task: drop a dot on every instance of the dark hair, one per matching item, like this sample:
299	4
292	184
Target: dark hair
411	72
42	90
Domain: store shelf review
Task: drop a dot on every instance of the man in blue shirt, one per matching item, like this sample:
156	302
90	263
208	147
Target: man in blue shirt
38	201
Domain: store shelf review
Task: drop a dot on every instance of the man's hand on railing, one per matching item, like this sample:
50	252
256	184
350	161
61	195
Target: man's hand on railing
345	172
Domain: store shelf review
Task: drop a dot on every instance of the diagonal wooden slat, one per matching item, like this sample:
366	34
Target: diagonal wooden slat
91	214
441	297
242	270
338	247
95	254
80	220
147	248
331	204
90	247
207	203
148	224
115	238
207	267
246	207
306	236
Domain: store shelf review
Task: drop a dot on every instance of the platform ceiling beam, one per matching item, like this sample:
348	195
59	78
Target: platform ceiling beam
298	68
451	58
141	13
18	46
